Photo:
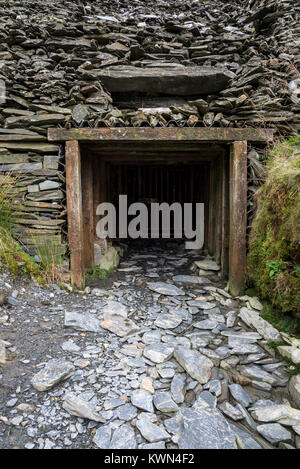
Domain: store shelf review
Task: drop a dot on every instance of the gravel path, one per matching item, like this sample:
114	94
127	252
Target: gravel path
157	356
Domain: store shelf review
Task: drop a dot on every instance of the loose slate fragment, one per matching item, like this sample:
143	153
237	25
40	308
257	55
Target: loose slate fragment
79	407
231	411
239	394
54	372
158	352
150	431
167	321
102	437
201	304
82	321
142	400
123	438
2	353
177	388
196	365
164	402
165	288
207	265
114	308
126	412
244	439
205	429
120	326
277	413
206	324
189	279
264	328
274	432
258	374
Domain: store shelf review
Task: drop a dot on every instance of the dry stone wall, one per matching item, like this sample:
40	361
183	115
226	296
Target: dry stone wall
85	64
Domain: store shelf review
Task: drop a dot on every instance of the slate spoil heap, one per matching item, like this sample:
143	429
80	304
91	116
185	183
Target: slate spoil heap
162	358
64	64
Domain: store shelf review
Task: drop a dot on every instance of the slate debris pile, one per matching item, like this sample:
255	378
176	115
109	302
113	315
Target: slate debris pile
56	55
192	370
233	64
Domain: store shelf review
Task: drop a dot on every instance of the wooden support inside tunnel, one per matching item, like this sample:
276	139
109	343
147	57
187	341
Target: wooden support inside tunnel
92	155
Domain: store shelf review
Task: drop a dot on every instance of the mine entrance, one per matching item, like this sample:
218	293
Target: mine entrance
157	174
168	182
201	164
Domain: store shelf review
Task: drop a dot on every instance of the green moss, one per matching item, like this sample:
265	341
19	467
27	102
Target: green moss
279	320
274	243
96	273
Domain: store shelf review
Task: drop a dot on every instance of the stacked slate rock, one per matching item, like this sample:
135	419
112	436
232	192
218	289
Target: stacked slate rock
96	64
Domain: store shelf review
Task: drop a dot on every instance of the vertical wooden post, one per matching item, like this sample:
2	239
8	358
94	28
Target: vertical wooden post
96	190
225	216
74	206
88	211
212	209
218	209
238	216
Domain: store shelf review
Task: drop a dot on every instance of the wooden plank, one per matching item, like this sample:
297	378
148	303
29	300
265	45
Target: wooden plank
218	210
212	209
96	189
74	206
166	134
238	216
225	217
138	148
88	211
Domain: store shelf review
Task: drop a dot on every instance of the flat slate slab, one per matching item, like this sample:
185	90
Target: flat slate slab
274	432
150	431
158	352
264	328
120	326
79	407
142	400
206	429
165	288
82	321
196	365
164	402
167	321
179	81
122	437
54	371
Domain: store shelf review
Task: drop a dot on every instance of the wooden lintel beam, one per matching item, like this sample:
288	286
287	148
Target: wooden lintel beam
166	134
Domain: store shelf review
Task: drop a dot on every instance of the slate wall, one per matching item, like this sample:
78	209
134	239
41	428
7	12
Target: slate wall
53	55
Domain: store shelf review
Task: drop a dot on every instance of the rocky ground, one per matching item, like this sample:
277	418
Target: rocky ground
162	357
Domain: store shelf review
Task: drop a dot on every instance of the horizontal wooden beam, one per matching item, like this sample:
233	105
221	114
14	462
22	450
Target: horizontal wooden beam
166	134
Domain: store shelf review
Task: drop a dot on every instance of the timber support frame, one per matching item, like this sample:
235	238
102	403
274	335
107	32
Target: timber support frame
229	197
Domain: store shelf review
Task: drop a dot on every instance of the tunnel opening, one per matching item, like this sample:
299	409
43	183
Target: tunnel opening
148	183
91	154
155	174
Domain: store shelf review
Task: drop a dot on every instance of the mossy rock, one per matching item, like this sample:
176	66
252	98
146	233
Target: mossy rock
274	243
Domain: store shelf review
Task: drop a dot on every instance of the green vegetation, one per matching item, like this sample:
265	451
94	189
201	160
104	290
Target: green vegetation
12	255
96	273
282	322
274	244
293	369
51	256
